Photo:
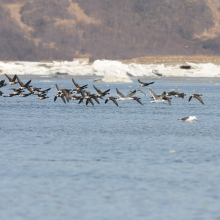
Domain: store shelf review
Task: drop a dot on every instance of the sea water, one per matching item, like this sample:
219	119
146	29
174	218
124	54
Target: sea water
72	161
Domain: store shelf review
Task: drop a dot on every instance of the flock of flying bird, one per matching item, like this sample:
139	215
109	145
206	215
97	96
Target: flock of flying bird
20	91
66	94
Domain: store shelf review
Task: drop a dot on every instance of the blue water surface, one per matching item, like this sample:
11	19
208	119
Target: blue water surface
71	161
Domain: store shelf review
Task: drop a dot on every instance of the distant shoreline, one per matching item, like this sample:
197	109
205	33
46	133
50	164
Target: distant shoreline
166	60
77	77
174	60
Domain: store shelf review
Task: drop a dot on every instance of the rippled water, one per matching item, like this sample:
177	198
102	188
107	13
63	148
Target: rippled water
106	162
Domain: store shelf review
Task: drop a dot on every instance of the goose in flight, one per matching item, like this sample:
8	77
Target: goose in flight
88	98
2	83
22	85
143	83
11	80
197	96
100	93
78	88
180	95
64	92
112	99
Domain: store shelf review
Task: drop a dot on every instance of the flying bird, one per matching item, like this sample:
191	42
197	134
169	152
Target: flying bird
172	93
112	99
100	93
197	96
2	83
88	98
22	85
78	88
180	95
11	80
144	84
17	91
63	93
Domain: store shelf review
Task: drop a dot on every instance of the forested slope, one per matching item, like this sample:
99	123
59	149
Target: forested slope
109	29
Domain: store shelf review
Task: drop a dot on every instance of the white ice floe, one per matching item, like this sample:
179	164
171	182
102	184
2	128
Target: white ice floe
112	71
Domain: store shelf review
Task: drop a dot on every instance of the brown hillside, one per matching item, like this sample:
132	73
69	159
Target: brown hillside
64	29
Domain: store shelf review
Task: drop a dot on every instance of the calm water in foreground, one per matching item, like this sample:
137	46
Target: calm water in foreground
106	162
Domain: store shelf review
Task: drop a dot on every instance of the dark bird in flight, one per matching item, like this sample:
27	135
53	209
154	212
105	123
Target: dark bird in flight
144	84
197	96
22	85
11	80
100	93
112	99
2	83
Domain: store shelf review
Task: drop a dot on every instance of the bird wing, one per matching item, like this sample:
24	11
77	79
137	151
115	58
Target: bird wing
57	87
155	96
131	94
82	93
90	100
27	83
66	94
14	78
138	100
184	119
190	97
142	92
19	81
81	100
62	97
169	100
9	78
140	81
75	83
113	99
99	91
150	83
163	94
119	93
106	91
46	90
84	87
95	99
29	88
199	98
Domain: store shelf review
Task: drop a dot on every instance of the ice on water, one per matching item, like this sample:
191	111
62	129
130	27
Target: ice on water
111	70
